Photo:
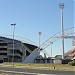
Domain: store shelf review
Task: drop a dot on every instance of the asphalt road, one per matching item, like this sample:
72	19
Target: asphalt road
23	71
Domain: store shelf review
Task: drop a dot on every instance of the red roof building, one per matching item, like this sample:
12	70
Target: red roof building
70	54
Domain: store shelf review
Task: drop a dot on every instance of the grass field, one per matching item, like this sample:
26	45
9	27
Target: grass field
41	66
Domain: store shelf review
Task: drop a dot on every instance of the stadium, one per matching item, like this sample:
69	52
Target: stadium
20	51
23	52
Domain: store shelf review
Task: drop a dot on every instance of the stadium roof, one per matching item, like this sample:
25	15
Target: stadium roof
30	46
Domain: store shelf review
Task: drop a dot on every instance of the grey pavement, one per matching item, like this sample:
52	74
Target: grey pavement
21	71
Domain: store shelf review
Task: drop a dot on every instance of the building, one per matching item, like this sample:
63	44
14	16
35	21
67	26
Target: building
40	59
70	54
21	50
52	60
58	59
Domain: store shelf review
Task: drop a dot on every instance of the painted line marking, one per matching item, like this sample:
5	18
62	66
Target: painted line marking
24	72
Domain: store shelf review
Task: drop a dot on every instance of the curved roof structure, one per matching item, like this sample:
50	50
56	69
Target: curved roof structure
72	52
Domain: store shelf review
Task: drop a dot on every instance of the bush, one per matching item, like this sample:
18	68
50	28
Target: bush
72	63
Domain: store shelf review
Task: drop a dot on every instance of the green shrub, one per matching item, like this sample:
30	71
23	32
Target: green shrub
72	63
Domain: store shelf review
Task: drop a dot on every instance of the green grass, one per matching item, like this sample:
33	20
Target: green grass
41	66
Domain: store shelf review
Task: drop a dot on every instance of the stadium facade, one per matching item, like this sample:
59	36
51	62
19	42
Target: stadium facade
21	50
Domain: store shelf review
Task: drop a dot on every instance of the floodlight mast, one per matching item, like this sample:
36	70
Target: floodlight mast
13	41
61	6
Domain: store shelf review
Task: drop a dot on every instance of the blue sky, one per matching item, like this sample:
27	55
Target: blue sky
32	16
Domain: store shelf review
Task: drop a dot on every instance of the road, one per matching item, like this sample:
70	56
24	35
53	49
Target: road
23	71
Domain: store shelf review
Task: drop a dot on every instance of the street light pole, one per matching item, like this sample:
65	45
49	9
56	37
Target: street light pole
51	51
13	41
39	39
61	6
